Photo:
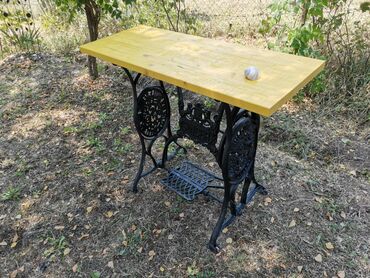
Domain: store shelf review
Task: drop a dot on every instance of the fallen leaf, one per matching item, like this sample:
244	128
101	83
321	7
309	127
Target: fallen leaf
111	264
182	215
353	173
170	236
229	240
328	215
272	220
296	209
319	200
225	230
70	215
14	244
59	228
151	255
109	214
140	250
21	269
167	204
300	268
125	243
292	223
15	238
75	268
89	209
133	227
343	215
13	274
66	251
318	258
329	246
341	274
161	268
3	243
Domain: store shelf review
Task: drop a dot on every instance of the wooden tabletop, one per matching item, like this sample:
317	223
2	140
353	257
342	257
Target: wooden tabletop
209	67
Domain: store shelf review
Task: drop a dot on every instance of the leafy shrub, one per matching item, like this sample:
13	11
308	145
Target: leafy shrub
327	30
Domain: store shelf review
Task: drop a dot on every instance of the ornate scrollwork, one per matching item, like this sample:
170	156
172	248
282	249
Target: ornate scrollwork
196	124
240	153
153	112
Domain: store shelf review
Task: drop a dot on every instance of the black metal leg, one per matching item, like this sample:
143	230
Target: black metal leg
212	245
246	185
152	118
141	168
256	121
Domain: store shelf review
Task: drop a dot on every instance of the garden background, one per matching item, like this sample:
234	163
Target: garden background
68	149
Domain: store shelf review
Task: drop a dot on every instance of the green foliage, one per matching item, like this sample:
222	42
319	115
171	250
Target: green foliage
11	194
167	14
111	7
95	274
310	21
17	27
56	246
326	30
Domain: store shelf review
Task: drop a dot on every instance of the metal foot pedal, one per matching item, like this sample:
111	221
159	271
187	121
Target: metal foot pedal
188	180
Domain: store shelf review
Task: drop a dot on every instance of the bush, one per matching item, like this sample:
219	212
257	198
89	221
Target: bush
327	30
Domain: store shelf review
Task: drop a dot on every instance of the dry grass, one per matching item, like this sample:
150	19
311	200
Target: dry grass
67	143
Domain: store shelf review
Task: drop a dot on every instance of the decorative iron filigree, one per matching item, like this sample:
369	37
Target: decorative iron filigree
196	124
153	112
240	153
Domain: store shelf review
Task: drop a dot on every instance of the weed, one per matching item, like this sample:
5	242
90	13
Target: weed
70	130
94	142
11	194
112	165
122	148
57	246
23	168
125	130
95	274
132	241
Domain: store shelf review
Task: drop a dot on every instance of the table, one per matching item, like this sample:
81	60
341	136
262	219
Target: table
214	69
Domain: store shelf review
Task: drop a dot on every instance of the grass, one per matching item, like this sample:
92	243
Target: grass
62	173
11	194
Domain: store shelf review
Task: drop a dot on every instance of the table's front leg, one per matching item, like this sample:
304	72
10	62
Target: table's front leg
236	158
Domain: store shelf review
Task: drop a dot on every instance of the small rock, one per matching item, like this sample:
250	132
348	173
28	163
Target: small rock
329	246
341	274
318	258
292	223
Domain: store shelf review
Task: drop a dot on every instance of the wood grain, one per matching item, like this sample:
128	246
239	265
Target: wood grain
209	67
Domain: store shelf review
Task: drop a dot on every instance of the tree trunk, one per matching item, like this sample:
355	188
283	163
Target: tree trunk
93	18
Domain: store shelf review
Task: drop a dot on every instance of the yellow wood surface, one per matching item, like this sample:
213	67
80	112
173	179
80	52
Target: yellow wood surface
209	67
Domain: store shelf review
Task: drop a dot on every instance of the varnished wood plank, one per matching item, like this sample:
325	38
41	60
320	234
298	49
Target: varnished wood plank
209	67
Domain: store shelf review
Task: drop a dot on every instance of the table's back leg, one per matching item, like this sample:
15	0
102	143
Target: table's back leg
152	118
256	122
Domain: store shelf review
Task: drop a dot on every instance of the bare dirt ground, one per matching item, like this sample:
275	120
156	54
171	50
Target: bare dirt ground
68	153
